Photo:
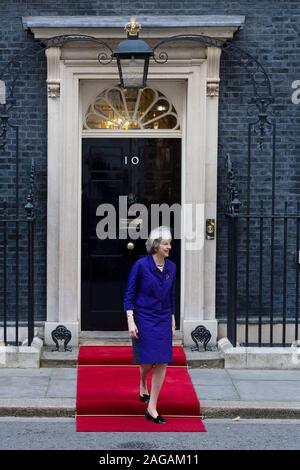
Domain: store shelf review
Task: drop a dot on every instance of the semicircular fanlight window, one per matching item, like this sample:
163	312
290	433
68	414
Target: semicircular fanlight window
117	108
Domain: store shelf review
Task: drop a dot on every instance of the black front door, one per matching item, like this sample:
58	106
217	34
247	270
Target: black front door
146	171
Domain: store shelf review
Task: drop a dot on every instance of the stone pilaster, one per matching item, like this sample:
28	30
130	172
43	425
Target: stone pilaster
211	166
54	153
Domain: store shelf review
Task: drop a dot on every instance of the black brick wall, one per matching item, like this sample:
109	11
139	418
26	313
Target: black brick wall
271	34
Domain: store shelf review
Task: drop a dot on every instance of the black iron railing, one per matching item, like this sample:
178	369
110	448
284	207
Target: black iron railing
17	251
263	274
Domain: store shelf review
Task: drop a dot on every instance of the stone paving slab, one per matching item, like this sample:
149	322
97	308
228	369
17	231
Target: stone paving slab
64	373
62	388
268	390
274	375
22	387
221	392
210	377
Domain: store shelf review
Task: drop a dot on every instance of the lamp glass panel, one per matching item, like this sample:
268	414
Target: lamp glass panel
132	72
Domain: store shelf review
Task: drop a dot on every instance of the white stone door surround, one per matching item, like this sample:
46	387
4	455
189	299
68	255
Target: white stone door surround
198	66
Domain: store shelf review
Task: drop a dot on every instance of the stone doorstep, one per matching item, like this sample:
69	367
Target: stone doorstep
203	359
52	358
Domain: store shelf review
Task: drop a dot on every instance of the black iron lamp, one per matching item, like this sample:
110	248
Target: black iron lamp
133	57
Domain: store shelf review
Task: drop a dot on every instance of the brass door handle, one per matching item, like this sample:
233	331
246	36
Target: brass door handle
130	246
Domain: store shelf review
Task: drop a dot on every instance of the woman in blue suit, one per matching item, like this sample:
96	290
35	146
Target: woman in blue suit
149	301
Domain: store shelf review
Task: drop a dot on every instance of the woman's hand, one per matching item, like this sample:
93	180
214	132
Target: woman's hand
173	325
132	328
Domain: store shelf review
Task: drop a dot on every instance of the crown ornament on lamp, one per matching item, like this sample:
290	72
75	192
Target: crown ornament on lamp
133	28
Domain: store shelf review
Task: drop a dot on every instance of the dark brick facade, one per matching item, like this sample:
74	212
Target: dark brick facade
271	34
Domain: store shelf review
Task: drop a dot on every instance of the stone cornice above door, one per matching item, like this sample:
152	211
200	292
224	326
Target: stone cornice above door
157	27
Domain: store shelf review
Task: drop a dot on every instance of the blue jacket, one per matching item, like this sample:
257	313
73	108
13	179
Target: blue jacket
149	288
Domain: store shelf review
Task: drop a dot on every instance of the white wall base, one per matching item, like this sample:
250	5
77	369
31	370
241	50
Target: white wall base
260	358
73	327
23	357
190	325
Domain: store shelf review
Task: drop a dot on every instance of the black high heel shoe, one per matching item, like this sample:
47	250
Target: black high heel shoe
158	420
145	398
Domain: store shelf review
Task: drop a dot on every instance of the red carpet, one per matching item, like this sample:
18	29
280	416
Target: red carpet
108	393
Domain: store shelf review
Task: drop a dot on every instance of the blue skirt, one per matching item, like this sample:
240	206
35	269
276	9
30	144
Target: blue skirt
154	343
